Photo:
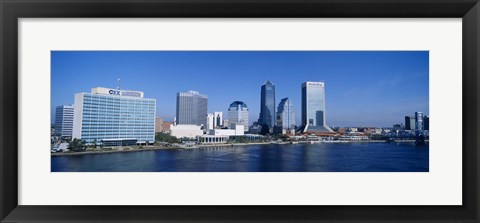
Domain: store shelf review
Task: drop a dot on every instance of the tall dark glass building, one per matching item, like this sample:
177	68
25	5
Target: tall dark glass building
313	108
267	105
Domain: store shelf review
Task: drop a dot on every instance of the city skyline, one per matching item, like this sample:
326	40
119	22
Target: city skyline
385	86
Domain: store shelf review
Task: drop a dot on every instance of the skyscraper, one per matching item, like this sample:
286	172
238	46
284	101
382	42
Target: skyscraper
192	108
409	123
419	122
426	122
217	119
285	114
313	107
64	120
238	114
114	117
210	121
267	105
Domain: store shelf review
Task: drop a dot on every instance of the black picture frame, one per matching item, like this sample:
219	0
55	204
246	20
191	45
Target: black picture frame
12	10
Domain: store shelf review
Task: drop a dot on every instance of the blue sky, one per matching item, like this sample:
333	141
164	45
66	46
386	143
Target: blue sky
363	88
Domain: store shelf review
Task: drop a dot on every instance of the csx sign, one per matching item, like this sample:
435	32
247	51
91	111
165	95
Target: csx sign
125	93
113	92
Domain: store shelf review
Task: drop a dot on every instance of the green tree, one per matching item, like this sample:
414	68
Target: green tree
265	130
77	145
163	137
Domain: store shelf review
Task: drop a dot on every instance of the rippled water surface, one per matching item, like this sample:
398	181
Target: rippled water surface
327	157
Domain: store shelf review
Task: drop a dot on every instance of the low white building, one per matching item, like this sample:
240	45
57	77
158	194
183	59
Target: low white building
189	131
216	136
235	130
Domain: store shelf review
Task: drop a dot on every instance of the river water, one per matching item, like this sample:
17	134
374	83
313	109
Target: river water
326	157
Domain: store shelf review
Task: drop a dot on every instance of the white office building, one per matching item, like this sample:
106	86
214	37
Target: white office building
114	117
210	121
64	120
192	108
186	131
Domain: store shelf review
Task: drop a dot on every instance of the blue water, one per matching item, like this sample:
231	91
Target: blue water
334	157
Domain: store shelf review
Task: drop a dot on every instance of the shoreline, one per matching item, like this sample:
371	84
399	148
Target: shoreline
154	148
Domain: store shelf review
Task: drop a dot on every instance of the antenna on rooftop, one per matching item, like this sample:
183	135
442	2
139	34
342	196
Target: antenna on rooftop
118	86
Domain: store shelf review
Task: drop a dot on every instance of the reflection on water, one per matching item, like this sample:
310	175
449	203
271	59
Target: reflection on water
337	157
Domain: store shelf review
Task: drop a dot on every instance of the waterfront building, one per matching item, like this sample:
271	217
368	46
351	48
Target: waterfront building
313	108
64	120
409	122
216	136
285	114
217	119
426	122
191	108
114	117
166	126
238	114
186	131
210	121
255	129
234	130
398	127
158	124
267	105
213	139
419	122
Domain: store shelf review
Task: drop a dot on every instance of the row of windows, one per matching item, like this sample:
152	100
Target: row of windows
130	123
119	101
114	110
100	138
117	117
116	127
90	115
116	105
124	131
122	104
117	111
125	135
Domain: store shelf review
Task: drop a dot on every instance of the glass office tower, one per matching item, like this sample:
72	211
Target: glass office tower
192	108
64	120
285	114
238	114
313	107
110	116
267	105
419	122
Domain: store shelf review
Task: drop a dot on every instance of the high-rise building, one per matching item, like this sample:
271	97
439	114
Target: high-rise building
114	117
419	122
217	119
426	122
267	105
210	121
191	108
238	114
64	120
158	124
409	122
285	114
313	107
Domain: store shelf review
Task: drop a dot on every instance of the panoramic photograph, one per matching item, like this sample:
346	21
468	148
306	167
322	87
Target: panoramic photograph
239	111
